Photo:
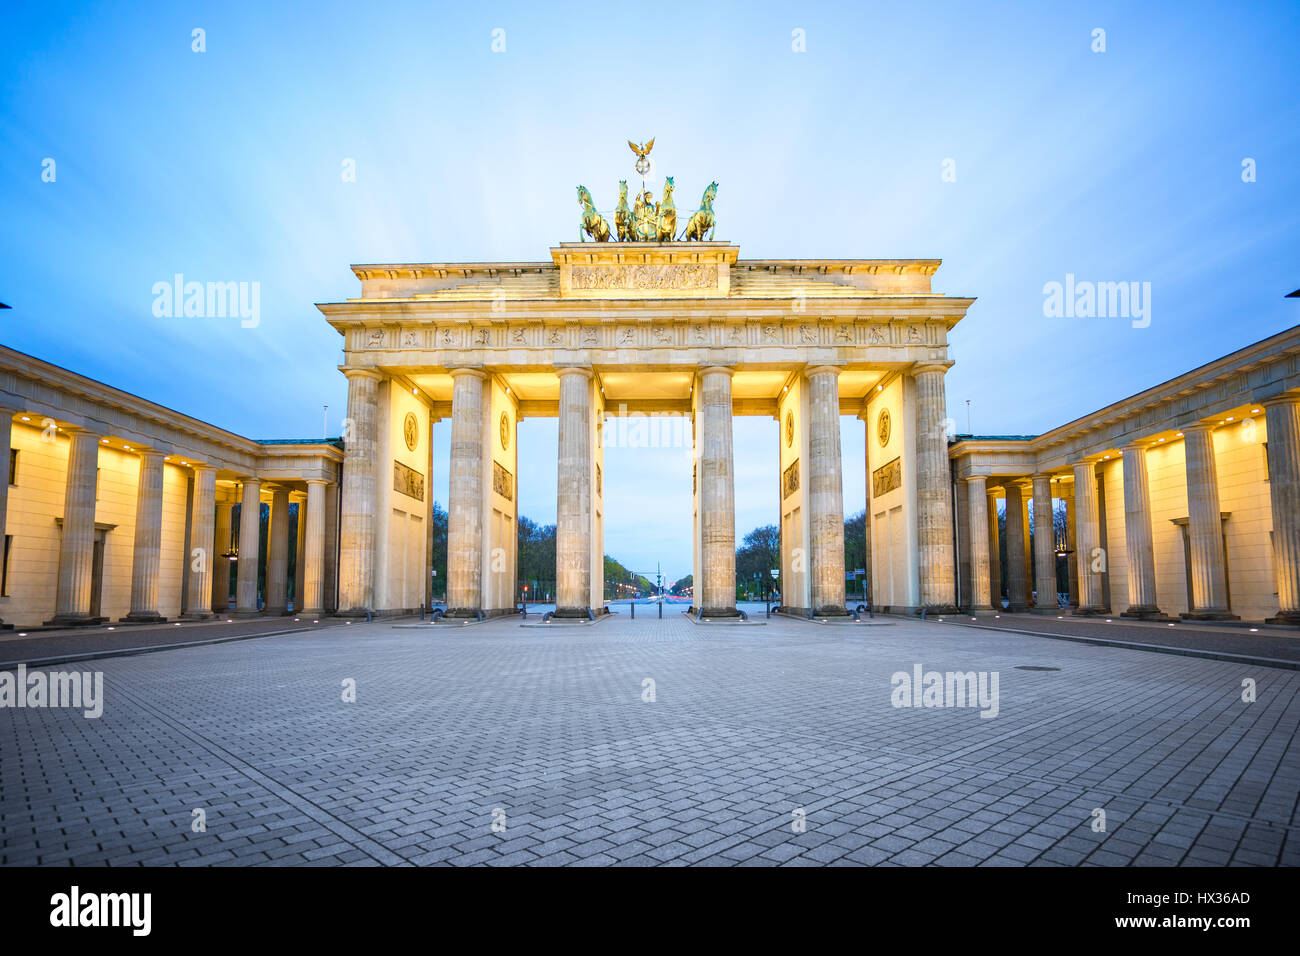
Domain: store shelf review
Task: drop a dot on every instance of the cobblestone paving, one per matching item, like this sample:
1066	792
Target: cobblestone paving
548	733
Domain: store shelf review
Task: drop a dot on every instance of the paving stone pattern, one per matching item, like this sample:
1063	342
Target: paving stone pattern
546	732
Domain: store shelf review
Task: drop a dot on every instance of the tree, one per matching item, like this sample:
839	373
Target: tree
682	585
855	548
439	583
757	556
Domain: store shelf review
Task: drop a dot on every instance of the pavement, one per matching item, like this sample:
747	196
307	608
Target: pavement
655	742
1276	646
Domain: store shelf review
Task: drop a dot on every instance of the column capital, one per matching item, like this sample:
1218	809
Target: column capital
317	481
466	370
823	370
938	366
1197	427
584	370
1285	399
369	373
725	369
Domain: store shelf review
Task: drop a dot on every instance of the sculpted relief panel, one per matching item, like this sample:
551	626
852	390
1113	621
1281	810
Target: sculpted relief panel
651	277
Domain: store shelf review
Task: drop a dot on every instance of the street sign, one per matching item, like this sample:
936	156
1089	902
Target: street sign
860	571
776	572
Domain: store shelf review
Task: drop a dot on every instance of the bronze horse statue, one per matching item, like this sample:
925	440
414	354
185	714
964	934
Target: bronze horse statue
702	220
667	213
593	223
623	215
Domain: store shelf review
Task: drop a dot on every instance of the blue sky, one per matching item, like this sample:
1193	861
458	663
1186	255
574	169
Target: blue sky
225	165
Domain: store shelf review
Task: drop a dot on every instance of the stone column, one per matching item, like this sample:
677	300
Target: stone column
934	490
146	547
428	524
1137	535
77	545
1017	572
312	567
465	497
1282	419
1088	533
1044	546
6	432
825	491
995	557
716	593
220	564
277	544
360	498
977	497
332	495
250	547
1071	563
203	519
573	507
1205	528
300	557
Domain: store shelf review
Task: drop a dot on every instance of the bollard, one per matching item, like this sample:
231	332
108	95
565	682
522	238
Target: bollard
632	605
661	610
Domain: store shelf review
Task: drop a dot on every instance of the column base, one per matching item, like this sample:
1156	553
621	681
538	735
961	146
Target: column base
1147	613
314	612
1019	608
362	612
718	612
1089	612
202	616
583	613
1209	616
1291	618
75	620
931	609
1044	610
244	613
832	610
143	617
982	610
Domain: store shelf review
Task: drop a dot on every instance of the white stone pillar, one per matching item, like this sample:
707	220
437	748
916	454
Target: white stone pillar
825	491
1017	572
934	491
331	588
360	494
300	556
221	564
1044	546
1205	527
277	544
573	506
716	593
1137	535
146	546
77	545
312	567
1088	534
465	496
977	497
994	551
1282	419
203	519
6	433
429	558
250	547
1071	563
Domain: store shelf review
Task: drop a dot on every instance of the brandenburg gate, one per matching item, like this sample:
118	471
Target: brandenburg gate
659	327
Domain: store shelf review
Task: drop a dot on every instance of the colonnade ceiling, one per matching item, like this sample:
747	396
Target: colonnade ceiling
753	391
